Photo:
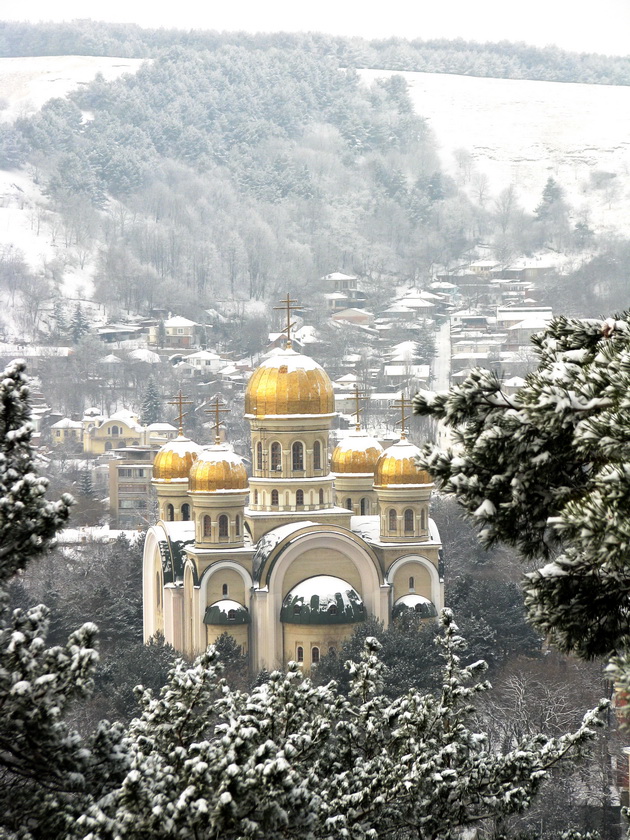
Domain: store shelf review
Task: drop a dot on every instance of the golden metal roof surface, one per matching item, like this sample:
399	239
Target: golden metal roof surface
397	466
357	453
217	468
175	458
289	383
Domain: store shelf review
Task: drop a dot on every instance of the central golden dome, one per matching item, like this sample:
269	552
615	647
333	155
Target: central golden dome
397	466
357	454
174	459
217	469
289	383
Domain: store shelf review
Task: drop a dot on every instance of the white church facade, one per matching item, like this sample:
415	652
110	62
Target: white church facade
289	559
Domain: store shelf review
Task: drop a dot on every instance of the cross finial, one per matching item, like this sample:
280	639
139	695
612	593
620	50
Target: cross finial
180	401
359	397
402	404
288	306
217	408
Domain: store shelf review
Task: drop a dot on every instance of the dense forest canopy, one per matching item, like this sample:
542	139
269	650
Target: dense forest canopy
501	60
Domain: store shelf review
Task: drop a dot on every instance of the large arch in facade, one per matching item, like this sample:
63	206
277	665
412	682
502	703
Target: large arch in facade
412	560
267	598
151	569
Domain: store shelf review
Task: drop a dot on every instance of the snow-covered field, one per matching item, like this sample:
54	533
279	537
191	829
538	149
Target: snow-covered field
26	83
522	132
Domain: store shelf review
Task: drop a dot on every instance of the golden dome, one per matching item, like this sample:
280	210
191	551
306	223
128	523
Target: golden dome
289	383
397	466
217	468
174	459
357	453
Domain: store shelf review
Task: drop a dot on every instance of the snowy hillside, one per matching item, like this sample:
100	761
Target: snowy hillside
522	132
26	83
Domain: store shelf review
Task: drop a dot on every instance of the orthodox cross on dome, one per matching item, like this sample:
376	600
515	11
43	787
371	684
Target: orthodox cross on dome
180	401
359	397
402	404
289	305
217	408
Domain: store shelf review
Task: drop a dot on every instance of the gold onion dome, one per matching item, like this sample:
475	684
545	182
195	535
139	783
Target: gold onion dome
357	454
288	383
174	460
397	466
217	469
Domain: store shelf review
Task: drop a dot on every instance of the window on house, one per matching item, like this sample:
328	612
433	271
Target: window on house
348	504
332	609
231	615
276	456
255	497
317	455
259	456
299	498
423	519
321	497
225	590
207	526
274	498
297	451
364	507
185	512
315	656
223	526
300	654
392	520
237	526
170	513
114	430
297	609
409	521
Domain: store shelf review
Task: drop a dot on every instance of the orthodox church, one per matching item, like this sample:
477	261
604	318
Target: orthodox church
290	559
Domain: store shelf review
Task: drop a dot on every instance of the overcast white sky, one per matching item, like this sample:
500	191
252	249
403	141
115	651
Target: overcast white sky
600	26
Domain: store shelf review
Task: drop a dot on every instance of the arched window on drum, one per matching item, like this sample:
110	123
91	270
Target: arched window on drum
408	521
297	451
207	526
317	455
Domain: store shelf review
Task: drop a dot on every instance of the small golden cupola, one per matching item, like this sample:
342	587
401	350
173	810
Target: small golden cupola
353	463
170	477
403	490
218	488
397	466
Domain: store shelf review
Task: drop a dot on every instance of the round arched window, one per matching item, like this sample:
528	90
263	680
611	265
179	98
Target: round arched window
223	526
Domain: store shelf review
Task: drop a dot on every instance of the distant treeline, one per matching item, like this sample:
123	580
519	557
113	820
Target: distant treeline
498	60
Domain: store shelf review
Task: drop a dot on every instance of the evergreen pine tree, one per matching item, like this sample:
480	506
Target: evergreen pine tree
48	773
546	471
295	760
151	411
79	325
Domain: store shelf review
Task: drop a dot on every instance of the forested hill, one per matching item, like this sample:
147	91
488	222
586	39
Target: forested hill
235	171
499	60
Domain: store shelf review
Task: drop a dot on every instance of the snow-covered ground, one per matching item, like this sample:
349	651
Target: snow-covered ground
521	132
28	227
26	83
